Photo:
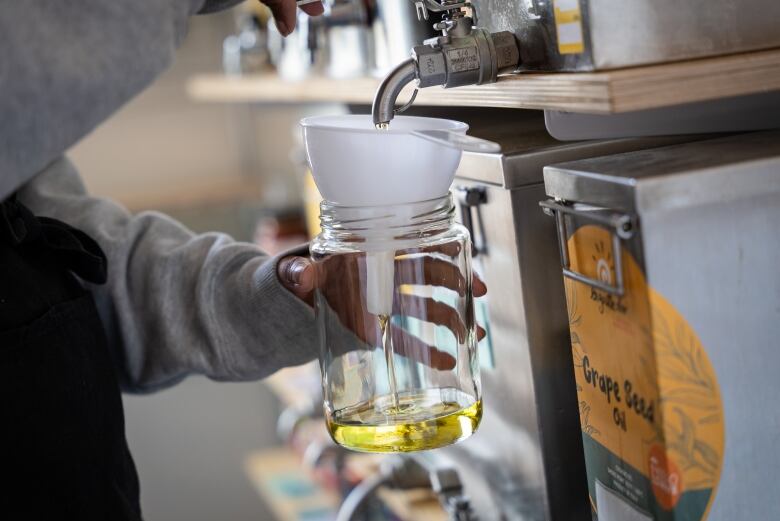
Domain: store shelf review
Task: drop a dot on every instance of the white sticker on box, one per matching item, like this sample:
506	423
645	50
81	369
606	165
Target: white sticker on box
568	25
567	5
612	507
570	33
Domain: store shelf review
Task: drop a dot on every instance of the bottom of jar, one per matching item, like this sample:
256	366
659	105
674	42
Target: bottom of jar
421	420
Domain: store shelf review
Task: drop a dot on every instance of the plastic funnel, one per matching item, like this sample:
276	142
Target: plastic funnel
355	164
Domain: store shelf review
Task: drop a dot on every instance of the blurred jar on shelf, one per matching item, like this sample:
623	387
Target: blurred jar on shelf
247	52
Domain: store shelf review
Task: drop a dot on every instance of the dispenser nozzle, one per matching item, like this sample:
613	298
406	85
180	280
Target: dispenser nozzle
383	108
464	55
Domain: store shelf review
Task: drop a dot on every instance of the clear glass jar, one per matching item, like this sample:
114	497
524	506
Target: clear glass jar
398	337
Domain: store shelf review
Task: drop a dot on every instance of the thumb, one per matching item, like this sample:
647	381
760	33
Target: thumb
297	275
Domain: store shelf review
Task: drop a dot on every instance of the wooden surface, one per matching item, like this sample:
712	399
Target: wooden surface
289	491
293	385
413	505
272	471
598	92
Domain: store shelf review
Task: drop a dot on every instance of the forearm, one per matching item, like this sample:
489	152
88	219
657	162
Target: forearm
177	303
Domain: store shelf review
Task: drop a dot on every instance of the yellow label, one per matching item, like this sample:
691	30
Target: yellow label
311	205
568	26
650	408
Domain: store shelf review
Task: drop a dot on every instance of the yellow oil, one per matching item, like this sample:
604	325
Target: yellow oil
421	420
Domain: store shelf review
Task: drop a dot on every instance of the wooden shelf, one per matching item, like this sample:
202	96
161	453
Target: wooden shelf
597	92
270	470
287	488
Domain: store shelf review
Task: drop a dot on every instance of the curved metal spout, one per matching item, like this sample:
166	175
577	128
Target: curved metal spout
389	89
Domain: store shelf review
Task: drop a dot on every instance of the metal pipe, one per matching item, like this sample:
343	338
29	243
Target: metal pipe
359	495
387	93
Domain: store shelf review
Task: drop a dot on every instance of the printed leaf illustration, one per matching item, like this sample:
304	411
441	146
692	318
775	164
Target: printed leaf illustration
587	428
577	355
571	303
681	361
695	456
692	396
712	418
708	454
686	440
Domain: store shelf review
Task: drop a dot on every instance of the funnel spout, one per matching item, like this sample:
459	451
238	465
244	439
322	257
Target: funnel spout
386	95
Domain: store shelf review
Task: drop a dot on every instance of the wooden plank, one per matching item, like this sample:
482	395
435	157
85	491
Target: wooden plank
413	505
286	487
695	80
273	471
604	92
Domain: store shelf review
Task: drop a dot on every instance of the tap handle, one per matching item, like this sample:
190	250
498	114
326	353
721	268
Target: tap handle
441	6
462	142
422	11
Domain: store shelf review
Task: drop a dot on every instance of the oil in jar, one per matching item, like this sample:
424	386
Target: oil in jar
409	421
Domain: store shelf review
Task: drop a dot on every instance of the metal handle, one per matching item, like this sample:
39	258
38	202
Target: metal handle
468	198
621	226
423	6
461	142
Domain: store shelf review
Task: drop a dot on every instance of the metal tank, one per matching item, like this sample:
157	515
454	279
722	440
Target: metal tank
585	35
670	261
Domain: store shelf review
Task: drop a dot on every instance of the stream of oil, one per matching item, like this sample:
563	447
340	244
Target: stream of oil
387	345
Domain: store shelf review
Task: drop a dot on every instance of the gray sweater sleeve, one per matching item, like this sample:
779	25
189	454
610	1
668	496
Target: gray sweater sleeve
69	64
177	303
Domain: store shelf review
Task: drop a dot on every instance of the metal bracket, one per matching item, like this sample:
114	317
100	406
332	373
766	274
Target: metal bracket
406	105
621	225
468	198
446	483
440	6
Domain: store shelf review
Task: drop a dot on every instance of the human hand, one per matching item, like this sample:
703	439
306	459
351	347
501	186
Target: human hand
334	277
284	12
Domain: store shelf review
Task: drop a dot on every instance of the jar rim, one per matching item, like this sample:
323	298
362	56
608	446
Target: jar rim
412	216
331	204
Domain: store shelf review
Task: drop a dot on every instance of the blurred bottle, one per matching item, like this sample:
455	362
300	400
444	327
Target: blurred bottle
281	231
311	204
247	51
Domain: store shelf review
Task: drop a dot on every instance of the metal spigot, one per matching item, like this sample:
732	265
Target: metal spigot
463	55
446	484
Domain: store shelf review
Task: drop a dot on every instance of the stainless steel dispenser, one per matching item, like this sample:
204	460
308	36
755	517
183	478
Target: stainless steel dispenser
484	38
525	462
673	289
584	35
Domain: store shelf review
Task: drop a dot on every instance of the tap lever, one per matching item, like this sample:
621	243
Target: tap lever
463	55
422	12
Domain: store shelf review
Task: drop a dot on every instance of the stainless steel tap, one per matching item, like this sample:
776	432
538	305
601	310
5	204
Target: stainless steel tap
463	55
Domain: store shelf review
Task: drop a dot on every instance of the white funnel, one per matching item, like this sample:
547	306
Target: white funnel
355	164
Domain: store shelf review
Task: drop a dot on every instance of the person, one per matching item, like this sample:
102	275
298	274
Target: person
94	300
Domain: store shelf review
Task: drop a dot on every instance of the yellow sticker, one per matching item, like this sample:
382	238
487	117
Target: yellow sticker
650	407
568	26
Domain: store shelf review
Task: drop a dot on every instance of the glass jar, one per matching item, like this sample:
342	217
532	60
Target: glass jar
398	341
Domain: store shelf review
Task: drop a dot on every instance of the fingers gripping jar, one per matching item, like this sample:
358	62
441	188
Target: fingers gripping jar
398	339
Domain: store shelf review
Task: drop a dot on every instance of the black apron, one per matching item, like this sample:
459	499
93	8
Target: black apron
63	453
